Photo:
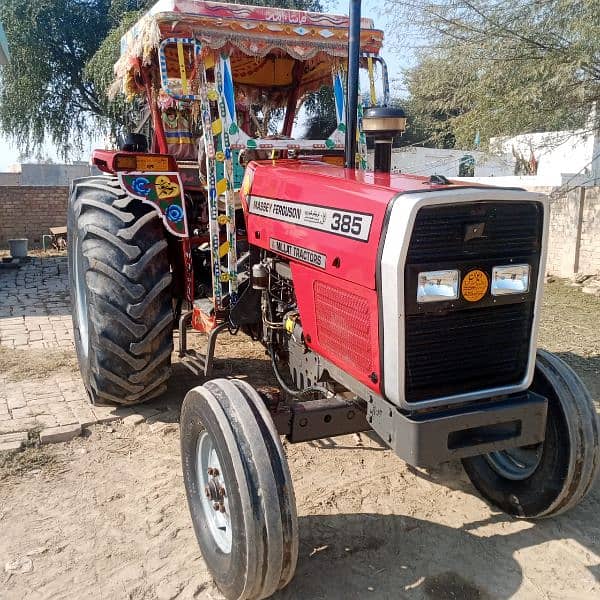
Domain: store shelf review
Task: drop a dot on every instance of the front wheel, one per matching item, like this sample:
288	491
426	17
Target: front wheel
239	489
551	477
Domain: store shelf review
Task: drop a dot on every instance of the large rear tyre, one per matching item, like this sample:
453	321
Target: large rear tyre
120	293
548	478
239	489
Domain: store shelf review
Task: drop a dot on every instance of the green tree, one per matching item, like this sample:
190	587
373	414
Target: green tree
44	92
436	100
322	119
499	67
62	55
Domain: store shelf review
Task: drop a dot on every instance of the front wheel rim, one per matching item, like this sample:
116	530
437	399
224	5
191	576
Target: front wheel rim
516	464
213	493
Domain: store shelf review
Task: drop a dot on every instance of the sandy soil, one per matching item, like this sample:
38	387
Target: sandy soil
105	515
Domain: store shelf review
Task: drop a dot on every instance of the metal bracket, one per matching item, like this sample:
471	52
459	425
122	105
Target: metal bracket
318	419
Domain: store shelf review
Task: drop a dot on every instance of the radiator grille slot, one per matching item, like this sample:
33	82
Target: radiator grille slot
510	230
466	351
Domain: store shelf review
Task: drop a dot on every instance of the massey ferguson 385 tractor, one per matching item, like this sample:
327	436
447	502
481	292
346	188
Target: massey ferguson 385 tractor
404	305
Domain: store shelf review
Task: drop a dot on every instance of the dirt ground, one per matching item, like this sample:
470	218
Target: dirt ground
104	517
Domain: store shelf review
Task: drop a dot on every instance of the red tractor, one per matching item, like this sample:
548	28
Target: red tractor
400	304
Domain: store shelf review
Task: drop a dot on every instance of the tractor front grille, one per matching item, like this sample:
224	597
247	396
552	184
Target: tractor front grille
457	347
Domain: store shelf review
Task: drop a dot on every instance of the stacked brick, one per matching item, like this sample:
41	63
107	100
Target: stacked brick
29	211
574	244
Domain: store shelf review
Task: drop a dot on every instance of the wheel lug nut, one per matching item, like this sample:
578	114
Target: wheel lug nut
215	472
207	491
216	506
222	507
210	471
223	492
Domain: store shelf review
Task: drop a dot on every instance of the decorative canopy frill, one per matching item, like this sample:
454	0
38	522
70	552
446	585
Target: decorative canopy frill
244	31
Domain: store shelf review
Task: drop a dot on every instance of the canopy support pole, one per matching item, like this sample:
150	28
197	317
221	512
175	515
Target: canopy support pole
352	87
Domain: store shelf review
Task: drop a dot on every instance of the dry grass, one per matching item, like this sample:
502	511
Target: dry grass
36	253
18	365
31	460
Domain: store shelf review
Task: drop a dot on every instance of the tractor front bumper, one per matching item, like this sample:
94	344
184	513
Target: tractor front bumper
425	439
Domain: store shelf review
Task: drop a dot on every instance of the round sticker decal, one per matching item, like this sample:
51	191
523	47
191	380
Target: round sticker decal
474	285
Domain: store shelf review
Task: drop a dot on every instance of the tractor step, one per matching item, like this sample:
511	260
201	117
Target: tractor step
197	363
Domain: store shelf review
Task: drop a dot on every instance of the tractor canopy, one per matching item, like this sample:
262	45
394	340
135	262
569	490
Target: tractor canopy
263	43
262	62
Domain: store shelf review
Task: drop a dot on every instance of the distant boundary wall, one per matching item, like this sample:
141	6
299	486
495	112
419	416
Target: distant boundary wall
29	211
574	244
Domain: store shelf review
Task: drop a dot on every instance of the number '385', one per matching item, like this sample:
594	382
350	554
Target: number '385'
346	223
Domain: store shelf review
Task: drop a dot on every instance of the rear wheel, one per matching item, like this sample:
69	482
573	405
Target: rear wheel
548	478
239	489
120	293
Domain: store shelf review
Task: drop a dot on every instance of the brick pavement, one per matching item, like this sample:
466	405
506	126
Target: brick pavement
35	315
34	305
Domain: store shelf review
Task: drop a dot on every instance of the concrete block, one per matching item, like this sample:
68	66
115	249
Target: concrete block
85	417
60	434
592	290
107	414
16	437
10	446
133	420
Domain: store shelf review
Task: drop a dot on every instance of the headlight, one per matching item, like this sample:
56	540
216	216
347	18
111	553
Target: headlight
435	286
510	279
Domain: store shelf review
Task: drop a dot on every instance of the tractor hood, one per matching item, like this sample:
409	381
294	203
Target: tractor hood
339	214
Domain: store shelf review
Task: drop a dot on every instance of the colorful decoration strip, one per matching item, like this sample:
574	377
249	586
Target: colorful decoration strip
164	192
211	176
255	31
226	107
166	84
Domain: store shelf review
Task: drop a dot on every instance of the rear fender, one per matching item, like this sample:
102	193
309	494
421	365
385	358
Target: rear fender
152	178
164	192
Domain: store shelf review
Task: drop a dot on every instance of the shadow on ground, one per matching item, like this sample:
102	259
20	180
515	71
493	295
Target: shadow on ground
257	372
587	367
404	557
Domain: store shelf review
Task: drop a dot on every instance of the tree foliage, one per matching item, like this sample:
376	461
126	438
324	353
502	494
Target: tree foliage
62	56
499	67
45	93
322	119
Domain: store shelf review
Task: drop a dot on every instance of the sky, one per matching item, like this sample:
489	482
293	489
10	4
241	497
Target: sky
9	154
374	9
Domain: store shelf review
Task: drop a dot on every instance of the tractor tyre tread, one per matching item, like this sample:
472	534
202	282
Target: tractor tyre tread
127	277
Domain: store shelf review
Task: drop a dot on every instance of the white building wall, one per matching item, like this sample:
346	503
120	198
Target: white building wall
435	161
557	152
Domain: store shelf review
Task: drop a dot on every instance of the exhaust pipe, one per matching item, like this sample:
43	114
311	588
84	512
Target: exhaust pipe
352	83
382	124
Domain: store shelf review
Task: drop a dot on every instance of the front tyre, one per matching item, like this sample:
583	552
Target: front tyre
552	477
239	489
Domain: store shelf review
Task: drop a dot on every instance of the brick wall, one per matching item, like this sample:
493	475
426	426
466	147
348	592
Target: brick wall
574	242
589	252
563	233
28	211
